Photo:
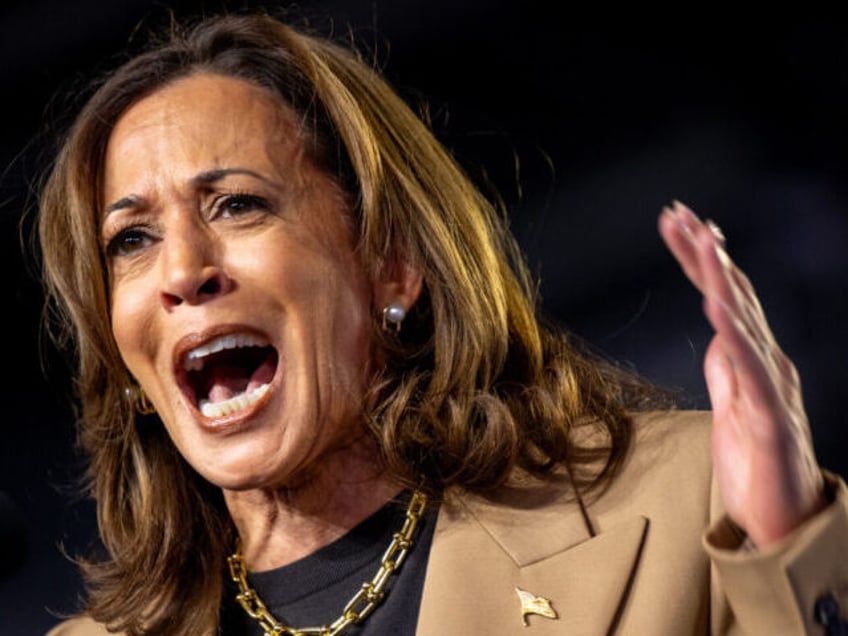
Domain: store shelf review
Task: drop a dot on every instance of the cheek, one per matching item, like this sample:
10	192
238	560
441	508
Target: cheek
337	307
133	324
351	331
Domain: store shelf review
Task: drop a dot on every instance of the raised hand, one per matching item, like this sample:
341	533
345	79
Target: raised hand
762	448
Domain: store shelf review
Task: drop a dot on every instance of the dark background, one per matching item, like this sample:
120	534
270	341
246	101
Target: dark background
586	123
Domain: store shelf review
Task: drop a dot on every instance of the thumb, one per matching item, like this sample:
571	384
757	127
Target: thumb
720	375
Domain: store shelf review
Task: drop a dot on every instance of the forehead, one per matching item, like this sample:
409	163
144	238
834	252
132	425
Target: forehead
202	122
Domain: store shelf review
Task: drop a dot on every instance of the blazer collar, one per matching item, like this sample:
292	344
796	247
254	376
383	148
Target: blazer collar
535	539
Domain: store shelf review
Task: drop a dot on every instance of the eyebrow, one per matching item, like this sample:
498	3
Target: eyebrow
211	176
120	204
203	179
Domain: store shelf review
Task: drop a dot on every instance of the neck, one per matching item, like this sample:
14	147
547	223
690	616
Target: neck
280	525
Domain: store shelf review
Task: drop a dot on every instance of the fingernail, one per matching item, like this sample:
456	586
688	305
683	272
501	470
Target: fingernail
683	210
679	216
716	230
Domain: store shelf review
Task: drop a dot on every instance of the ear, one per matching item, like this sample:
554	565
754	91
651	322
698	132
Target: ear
397	281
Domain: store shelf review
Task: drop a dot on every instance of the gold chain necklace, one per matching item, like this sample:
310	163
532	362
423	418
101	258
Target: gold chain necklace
358	607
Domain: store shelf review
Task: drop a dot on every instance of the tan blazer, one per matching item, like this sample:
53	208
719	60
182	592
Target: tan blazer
646	571
639	564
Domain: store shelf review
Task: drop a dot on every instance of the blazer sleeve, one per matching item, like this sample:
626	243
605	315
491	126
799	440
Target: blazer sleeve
776	590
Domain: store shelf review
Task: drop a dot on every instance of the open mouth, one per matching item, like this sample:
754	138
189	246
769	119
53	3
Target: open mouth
228	374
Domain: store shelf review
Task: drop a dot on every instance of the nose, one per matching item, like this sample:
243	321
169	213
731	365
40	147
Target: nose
191	269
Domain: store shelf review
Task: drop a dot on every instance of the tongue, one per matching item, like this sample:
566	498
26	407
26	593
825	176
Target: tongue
227	381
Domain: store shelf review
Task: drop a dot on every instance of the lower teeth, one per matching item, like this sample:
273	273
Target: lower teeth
234	404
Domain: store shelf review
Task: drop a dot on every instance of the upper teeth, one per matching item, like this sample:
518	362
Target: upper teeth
193	360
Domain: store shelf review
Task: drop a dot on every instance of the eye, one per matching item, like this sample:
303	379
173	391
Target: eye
128	241
235	205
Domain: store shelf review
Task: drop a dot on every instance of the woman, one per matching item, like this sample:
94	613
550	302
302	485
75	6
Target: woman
314	385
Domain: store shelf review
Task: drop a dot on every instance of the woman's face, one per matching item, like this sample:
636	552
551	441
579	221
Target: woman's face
237	299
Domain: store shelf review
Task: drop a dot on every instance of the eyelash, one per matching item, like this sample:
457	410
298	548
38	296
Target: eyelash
248	203
127	241
132	238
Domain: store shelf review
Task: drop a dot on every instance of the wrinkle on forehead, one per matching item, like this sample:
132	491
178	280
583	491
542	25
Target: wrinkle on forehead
209	122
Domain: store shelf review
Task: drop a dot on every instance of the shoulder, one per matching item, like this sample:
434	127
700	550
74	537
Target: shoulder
81	626
659	500
671	433
668	473
670	460
670	452
671	449
674	437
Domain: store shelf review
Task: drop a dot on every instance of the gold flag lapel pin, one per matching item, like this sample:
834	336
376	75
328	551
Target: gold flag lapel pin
532	604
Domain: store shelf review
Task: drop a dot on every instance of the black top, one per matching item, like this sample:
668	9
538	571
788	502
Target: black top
314	590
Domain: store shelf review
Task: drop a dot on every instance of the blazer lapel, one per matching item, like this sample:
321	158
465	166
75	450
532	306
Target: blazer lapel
535	540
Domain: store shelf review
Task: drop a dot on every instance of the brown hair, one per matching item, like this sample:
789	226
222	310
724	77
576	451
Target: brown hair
475	388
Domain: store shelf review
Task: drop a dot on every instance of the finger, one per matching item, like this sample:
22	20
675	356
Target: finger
716	230
679	227
699	247
678	237
750	360
724	280
745	289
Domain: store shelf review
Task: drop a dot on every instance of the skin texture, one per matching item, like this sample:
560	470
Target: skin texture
265	248
217	222
763	454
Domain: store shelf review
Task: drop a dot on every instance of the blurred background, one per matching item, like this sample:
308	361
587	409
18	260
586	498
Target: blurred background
585	124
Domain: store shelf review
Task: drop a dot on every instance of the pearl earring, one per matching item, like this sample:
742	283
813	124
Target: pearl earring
393	316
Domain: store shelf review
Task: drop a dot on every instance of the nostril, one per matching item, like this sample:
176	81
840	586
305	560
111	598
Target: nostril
197	287
210	287
171	300
191	268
